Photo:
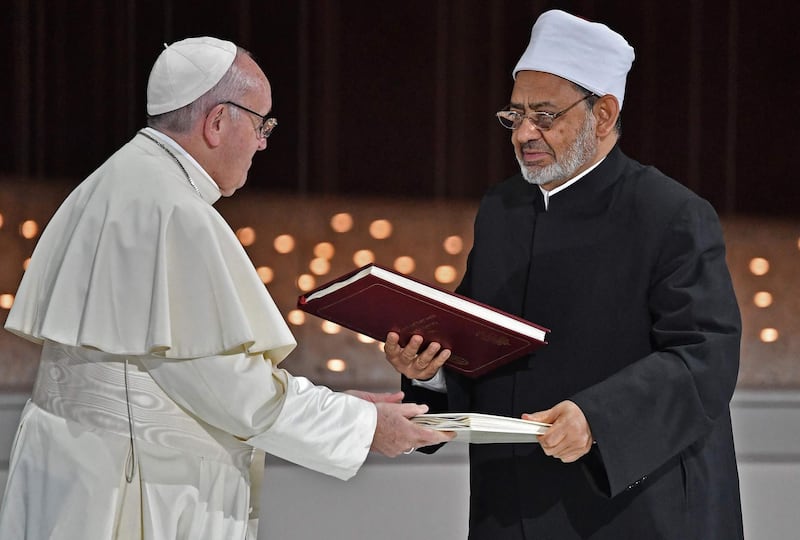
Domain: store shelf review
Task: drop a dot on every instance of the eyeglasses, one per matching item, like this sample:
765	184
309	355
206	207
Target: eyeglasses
265	127
541	120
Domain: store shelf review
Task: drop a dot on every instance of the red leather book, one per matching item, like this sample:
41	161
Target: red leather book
375	300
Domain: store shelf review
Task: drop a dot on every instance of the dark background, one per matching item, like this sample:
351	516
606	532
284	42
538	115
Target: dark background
397	99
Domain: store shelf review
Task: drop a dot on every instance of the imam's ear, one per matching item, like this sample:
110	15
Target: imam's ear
606	110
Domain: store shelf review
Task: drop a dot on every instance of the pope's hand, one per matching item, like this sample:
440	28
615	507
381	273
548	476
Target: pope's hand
395	434
410	361
372	397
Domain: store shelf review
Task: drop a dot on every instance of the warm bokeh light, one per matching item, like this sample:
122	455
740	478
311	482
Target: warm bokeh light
342	222
25	263
453	245
330	328
768	335
319	266
445	274
363	257
324	250
759	266
296	317
266	274
306	282
336	364
762	299
284	243
364	339
246	235
29	229
6	301
380	229
1	222
405	264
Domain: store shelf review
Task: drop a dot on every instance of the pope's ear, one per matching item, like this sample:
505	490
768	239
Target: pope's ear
606	110
213	124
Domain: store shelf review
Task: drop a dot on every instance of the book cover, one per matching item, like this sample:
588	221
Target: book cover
374	300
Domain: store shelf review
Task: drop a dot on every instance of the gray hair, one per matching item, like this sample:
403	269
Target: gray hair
589	104
232	86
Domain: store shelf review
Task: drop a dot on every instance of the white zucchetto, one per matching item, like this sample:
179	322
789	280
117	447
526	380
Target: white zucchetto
586	53
186	70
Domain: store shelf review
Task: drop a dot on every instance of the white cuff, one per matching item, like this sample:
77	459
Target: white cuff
437	383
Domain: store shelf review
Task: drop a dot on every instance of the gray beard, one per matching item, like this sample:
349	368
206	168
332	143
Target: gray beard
579	153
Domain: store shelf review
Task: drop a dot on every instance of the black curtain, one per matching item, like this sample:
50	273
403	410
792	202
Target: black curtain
398	99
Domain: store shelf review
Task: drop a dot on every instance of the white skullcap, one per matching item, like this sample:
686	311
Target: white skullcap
588	54
186	70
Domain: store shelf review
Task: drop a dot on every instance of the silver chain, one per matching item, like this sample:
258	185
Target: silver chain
173	156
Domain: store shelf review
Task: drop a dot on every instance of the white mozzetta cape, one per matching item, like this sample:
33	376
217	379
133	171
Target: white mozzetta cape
135	262
152	318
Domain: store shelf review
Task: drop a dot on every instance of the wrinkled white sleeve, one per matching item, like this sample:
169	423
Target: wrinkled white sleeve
270	409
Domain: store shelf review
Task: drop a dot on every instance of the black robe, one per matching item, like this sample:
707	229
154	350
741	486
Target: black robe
627	268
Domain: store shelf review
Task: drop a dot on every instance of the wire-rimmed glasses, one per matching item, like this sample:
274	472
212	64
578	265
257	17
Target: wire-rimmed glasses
265	127
541	120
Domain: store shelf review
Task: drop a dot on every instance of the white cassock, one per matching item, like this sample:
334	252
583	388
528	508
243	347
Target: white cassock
158	386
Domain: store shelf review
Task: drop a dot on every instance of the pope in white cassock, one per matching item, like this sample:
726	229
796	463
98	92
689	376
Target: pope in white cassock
159	384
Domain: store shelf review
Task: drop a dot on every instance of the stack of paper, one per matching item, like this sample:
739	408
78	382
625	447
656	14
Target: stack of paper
484	428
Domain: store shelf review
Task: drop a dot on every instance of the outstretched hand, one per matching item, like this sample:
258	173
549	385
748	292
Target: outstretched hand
372	397
570	437
395	434
410	361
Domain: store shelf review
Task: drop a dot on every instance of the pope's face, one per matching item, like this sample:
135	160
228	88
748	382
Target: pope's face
550	158
241	141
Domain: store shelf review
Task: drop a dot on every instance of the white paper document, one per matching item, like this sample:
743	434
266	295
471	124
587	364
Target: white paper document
479	428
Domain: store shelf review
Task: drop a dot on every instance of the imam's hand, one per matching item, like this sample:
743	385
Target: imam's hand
569	438
412	363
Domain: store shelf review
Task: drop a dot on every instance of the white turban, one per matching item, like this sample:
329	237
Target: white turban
588	54
186	70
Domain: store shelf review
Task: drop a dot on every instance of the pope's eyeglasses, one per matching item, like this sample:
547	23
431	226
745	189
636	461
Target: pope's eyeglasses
265	127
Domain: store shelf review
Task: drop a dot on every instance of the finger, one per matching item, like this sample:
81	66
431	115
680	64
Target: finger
571	449
421	363
432	436
440	359
392	345
552	438
410	410
429	353
557	450
385	397
572	455
412	348
449	435
542	416
408	355
429	362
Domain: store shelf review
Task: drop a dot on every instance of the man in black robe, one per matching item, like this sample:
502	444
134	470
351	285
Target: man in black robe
627	267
